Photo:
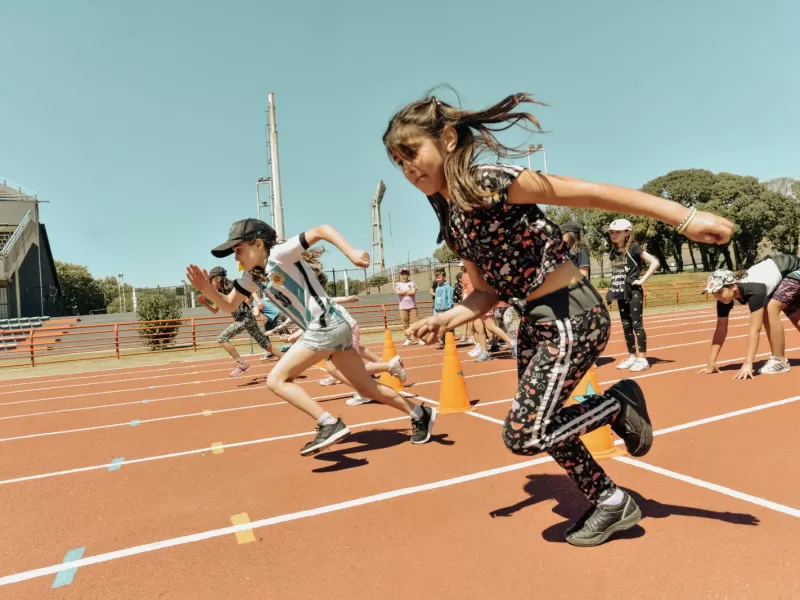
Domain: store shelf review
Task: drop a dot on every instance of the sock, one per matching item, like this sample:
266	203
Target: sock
614	499
326	419
417	413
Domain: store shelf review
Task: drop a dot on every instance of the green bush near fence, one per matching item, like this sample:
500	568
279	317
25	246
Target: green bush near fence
158	336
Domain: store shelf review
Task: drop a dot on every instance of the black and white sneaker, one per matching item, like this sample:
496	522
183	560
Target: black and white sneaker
601	522
633	423
326	436
423	428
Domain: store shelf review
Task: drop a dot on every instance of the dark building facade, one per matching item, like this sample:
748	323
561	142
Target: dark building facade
29	284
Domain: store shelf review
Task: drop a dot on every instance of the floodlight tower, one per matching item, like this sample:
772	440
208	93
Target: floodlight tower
377	229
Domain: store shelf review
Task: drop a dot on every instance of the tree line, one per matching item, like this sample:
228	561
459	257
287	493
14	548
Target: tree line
766	215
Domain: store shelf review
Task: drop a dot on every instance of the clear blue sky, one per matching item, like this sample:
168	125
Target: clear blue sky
143	122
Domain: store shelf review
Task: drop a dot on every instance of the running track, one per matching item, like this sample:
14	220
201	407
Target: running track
140	479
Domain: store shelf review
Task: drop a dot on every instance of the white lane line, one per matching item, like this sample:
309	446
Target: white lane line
304	514
787	510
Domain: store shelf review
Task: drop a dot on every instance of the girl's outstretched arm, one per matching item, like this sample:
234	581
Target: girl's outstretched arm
199	279
326	233
536	188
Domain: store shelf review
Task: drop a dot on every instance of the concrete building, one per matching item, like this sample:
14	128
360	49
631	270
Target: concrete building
29	284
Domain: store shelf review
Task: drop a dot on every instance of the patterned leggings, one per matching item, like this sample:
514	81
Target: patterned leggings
553	358
631	313
248	322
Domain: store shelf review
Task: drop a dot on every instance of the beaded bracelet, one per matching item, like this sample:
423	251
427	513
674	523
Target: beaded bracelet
680	228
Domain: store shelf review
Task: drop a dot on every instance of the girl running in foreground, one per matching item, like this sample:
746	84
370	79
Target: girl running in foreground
280	271
243	320
489	216
768	287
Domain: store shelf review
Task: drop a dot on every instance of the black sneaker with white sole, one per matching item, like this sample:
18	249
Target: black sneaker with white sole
326	436
601	522
633	423
422	429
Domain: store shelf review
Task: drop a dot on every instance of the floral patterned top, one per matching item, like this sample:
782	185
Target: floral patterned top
514	245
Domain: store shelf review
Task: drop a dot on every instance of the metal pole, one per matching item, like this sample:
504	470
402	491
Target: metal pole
258	202
276	170
39	252
391	238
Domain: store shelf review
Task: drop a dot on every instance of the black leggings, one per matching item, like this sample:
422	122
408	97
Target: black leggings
631	313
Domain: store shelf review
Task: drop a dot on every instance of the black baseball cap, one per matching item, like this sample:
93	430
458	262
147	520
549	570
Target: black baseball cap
571	228
245	230
217	272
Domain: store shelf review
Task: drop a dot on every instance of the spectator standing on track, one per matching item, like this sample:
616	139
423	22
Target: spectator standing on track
626	288
407	296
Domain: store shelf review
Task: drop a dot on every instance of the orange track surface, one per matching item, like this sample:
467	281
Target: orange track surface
385	518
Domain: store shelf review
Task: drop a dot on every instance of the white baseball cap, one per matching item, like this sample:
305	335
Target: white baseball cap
620	225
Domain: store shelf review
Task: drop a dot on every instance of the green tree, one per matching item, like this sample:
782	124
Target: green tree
356	286
80	292
444	255
377	281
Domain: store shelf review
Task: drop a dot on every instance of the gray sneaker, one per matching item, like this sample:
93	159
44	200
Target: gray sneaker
423	428
326	435
601	522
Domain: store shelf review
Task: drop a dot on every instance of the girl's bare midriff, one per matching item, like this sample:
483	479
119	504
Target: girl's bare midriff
564	276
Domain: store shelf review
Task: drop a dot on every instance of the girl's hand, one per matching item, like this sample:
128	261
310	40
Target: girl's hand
199	279
427	329
360	258
256	309
709	370
746	372
709	228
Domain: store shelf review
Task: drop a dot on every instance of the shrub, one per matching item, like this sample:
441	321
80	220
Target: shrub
158	336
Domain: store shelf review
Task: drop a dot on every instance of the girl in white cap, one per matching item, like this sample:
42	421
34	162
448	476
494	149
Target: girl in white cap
490	216
768	287
626	288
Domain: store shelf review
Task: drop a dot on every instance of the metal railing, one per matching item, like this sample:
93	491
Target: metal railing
61	340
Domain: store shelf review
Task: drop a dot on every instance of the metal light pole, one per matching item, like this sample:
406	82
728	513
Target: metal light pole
532	149
122	293
277	204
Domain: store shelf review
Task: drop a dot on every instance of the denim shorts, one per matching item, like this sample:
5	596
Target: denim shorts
336	338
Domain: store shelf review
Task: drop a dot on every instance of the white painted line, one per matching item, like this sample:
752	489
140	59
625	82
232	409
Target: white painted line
138	422
148	377
700	366
787	510
285	518
184	453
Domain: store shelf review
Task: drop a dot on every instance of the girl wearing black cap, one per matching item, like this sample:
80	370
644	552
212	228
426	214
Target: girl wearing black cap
243	320
280	270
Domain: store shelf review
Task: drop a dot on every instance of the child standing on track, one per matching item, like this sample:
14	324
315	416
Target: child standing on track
768	287
407	297
443	298
281	272
626	289
489	216
244	319
577	248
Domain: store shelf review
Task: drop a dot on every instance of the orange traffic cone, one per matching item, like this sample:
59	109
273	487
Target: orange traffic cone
453	397
599	442
321	364
389	353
